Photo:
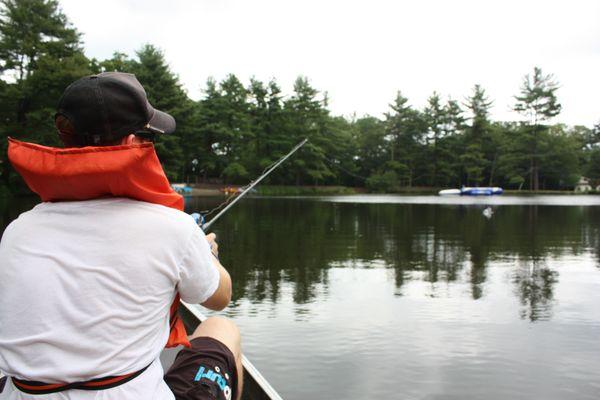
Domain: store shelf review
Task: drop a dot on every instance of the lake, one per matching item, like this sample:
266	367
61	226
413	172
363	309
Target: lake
415	297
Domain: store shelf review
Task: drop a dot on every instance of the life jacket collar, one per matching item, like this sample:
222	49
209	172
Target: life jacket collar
85	173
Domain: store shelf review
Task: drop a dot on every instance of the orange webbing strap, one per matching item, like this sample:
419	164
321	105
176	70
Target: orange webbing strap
177	335
35	387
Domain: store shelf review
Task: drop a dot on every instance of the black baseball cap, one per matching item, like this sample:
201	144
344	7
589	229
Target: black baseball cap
104	108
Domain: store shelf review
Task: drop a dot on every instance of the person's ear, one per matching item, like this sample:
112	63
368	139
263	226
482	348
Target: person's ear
129	139
66	131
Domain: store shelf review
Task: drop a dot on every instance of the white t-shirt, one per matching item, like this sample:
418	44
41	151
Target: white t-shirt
86	288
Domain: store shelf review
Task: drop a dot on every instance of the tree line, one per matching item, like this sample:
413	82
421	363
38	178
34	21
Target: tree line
238	128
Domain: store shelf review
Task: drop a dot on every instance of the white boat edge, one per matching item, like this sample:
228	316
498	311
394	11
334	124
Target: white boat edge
449	192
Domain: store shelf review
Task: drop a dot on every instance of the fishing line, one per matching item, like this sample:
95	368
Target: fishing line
206	213
200	218
331	162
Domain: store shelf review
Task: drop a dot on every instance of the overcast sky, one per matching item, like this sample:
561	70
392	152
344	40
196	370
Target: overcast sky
363	52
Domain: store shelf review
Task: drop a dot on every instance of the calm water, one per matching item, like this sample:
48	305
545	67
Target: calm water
416	297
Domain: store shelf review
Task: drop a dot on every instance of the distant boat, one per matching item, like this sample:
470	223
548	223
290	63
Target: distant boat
449	192
229	190
181	188
472	191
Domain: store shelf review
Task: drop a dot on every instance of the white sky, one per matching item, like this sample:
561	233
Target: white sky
362	52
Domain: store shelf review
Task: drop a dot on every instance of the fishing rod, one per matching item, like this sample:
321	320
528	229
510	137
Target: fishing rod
200	218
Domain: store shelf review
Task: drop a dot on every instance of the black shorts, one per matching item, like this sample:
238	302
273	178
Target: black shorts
205	371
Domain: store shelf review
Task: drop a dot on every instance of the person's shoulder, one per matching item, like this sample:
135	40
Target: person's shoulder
155	209
157	214
28	215
117	206
20	223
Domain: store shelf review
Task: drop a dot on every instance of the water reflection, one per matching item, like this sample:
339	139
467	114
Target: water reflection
534	283
271	242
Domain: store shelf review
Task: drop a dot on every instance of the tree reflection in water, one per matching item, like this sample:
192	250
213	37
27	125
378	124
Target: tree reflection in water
267	242
534	283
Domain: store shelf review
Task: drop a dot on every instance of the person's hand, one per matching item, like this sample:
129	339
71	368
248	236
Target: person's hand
214	246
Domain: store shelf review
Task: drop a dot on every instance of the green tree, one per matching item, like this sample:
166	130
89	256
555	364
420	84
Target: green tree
441	121
559	161
30	30
237	133
434	116
592	170
268	126
271	127
224	133
204	144
307	117
119	62
473	157
512	164
538	103
40	55
405	132
260	125
589	156
451	145
342	152
371	145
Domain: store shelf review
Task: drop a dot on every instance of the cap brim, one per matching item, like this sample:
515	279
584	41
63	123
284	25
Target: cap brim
162	122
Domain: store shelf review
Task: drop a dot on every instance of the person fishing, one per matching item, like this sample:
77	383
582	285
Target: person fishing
91	278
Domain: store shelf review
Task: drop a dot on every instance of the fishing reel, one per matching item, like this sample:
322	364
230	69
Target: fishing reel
199	219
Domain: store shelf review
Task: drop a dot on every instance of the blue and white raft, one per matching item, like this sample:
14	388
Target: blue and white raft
472	191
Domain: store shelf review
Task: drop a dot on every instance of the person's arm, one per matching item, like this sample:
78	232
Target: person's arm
222	296
202	278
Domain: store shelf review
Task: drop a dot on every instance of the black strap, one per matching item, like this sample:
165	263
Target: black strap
36	387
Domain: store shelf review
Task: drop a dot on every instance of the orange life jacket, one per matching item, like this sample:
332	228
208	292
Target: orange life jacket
85	173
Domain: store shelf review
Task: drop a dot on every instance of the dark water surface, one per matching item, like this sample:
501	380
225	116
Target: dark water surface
416	297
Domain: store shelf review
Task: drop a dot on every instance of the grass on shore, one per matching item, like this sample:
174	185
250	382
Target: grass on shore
271	190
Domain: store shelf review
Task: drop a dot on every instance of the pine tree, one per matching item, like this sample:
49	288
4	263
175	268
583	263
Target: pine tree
204	144
473	158
435	117
30	30
268	126
119	62
40	55
405	132
236	133
538	103
372	147
307	118
453	131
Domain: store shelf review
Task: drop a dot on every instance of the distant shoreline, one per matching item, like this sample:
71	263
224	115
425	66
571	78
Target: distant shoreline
215	190
211	190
